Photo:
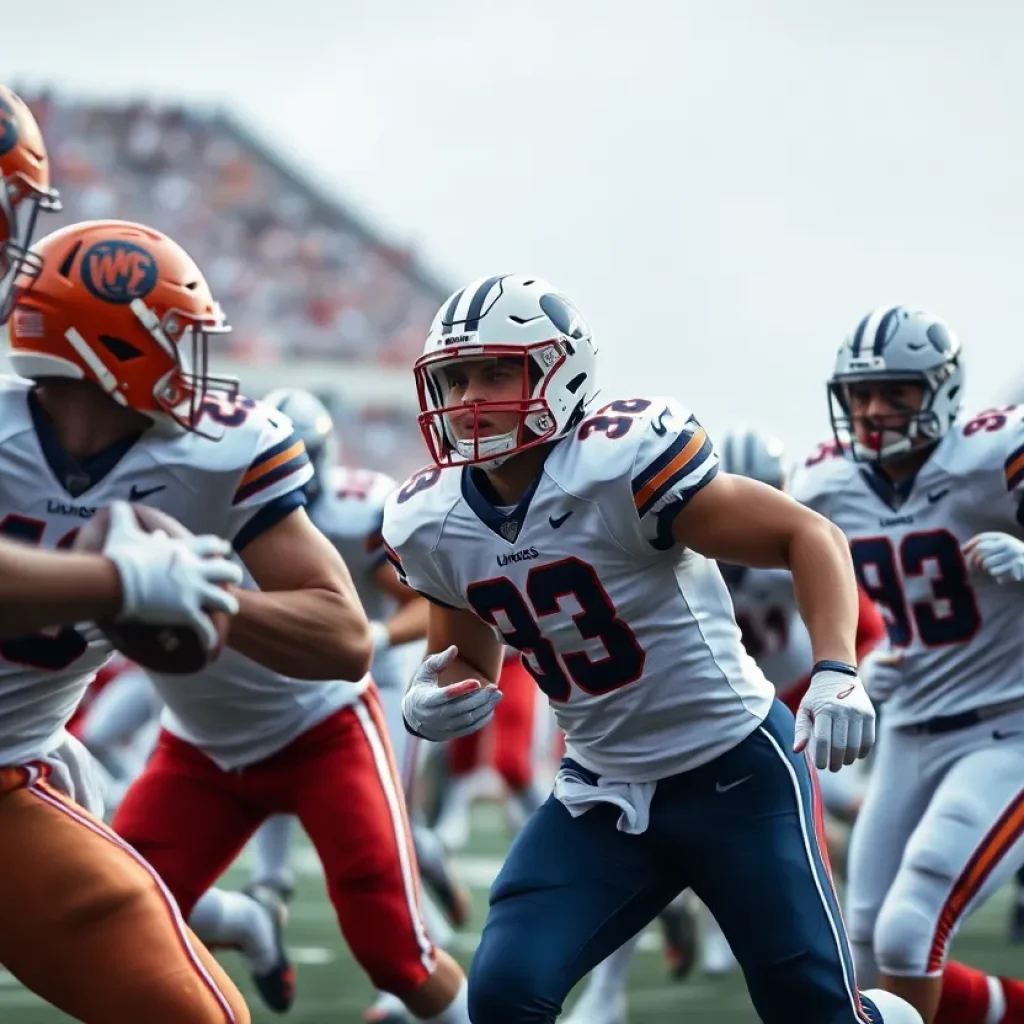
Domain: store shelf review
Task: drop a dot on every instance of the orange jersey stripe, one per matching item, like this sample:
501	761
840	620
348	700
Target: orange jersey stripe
692	447
265	467
1015	467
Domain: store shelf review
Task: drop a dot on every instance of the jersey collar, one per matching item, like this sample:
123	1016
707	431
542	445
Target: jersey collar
76	476
483	501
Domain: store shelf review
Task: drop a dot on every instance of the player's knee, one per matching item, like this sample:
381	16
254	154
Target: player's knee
506	986
401	976
904	933
906	929
122	897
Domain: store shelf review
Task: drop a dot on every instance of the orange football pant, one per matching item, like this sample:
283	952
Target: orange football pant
87	924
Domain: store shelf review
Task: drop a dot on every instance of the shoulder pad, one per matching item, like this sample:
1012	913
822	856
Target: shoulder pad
420	505
990	441
615	440
814	478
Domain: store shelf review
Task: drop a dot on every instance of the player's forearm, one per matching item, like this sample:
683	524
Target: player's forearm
409	622
461	669
308	634
47	588
826	589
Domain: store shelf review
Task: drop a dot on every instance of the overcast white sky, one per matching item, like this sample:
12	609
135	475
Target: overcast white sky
723	187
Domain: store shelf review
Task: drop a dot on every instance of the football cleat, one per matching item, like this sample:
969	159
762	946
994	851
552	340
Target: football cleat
276	986
679	930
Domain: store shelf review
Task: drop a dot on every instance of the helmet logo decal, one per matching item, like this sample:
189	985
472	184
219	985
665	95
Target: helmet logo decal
938	335
119	272
563	315
8	128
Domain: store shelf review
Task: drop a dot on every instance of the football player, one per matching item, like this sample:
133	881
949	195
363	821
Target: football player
347	505
25	191
582	533
764	602
931	505
111	330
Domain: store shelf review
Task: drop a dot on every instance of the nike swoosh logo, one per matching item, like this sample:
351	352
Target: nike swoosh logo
658	425
937	496
845	693
556	521
719	788
999	735
137	494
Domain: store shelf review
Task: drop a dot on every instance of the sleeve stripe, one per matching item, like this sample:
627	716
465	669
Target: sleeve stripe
270	476
691	455
689	470
1015	469
270	515
664	538
266	461
665	457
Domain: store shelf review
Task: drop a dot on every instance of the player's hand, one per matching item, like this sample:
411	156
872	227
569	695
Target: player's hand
445	712
835	717
881	672
998	554
167	581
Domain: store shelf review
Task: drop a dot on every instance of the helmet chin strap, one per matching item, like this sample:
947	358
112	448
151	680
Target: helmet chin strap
488	446
902	445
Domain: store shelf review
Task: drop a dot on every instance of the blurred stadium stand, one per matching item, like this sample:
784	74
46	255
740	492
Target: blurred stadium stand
316	298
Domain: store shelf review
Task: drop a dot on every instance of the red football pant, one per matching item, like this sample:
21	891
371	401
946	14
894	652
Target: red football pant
508	743
190	820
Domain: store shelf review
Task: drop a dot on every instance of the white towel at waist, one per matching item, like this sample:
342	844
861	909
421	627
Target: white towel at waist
633	799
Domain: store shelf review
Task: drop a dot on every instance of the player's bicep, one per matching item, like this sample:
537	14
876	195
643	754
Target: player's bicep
478	643
294	555
735	519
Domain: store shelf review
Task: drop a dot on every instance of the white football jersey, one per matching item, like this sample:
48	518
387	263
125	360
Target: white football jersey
350	512
632	638
960	633
234	487
239	713
773	633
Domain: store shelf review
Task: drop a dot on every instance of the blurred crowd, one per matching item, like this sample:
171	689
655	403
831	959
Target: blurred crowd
296	275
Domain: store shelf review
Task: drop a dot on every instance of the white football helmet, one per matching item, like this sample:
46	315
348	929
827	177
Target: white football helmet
893	343
314	425
507	316
745	451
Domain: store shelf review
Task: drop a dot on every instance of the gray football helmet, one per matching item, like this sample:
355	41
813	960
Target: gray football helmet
314	425
894	343
745	451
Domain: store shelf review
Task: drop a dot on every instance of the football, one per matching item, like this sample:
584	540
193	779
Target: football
175	650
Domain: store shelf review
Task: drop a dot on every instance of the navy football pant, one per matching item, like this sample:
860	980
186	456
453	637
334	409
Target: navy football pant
742	831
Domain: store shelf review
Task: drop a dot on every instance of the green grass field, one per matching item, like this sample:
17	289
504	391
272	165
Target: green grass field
331	989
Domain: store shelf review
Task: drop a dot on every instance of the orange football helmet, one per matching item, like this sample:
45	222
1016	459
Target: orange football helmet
118	304
24	191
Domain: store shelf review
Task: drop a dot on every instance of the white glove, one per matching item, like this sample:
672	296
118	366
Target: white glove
998	554
837	713
167	581
445	712
380	636
881	672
